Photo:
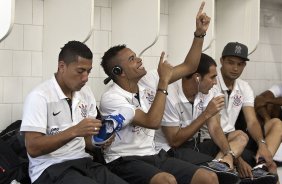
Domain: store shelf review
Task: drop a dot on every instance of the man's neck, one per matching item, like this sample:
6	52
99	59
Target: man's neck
62	85
229	83
129	86
190	91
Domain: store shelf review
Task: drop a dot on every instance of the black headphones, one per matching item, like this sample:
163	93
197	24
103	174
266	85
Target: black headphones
117	70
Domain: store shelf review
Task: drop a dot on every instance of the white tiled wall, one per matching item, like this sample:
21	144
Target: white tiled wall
265	67
21	59
101	41
21	53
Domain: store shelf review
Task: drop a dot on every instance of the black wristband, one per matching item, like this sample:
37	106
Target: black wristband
163	91
199	36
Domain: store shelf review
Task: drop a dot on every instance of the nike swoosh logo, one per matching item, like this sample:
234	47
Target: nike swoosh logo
55	114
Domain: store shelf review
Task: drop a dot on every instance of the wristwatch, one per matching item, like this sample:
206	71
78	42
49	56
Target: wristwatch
164	91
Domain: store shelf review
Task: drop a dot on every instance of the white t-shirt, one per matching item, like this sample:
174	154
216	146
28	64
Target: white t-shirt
47	111
242	95
131	140
276	90
180	112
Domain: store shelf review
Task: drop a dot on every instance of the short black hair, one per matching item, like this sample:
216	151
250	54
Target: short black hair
71	50
204	65
108	57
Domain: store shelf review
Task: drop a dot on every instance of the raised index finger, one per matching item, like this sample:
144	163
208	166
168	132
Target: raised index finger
201	8
162	57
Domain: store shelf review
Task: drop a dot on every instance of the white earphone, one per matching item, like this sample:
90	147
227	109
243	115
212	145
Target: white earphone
198	79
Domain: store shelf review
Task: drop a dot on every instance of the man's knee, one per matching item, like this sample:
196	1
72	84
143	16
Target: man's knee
244	138
163	178
272	168
277	125
240	136
274	125
203	176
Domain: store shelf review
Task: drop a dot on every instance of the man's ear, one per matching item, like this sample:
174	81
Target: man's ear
123	74
197	77
61	66
221	60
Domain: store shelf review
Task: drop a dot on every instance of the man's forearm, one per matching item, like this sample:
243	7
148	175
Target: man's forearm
256	132
263	113
275	101
220	139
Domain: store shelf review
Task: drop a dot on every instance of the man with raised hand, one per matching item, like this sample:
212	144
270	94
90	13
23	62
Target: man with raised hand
132	155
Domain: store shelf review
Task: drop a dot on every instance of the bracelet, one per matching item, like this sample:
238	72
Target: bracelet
163	91
199	36
262	141
231	153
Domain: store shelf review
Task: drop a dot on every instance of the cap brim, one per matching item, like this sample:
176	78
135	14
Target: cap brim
245	59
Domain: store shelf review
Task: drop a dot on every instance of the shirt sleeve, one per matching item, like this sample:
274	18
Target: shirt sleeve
248	95
276	90
171	116
215	91
34	113
113	104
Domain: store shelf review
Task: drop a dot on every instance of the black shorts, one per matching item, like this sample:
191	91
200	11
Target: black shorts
187	153
141	169
78	171
207	147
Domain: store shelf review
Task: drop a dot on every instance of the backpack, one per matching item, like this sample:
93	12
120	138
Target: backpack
13	156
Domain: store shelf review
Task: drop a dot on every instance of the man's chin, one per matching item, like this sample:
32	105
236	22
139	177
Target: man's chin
144	73
235	77
78	88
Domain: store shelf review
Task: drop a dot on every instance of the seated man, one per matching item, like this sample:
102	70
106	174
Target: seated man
268	108
57	126
239	96
192	104
132	155
268	104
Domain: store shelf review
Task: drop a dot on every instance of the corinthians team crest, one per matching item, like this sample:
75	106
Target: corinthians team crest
237	100
201	105
83	109
150	95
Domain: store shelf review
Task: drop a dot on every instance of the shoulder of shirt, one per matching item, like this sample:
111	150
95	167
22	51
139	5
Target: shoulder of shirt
275	86
173	92
86	90
110	93
174	87
43	88
242	82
